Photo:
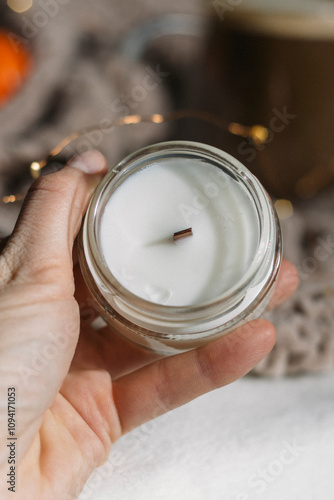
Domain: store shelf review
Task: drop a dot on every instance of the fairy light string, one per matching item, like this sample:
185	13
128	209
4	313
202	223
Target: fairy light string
257	133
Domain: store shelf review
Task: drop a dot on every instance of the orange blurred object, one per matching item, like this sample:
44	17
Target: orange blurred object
15	63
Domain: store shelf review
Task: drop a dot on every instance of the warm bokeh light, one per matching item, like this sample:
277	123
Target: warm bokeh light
131	119
19	6
284	209
35	169
15	63
157	118
259	133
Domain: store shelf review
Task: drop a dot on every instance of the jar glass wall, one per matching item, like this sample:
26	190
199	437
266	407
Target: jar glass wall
169	294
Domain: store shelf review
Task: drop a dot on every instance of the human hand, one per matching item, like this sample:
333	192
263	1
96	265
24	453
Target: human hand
76	395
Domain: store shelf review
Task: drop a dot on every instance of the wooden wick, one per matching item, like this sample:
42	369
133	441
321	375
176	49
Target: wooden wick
183	234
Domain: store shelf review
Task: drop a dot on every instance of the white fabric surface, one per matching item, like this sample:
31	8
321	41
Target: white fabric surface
229	445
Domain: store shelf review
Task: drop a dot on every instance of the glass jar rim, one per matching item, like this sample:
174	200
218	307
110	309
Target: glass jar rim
222	302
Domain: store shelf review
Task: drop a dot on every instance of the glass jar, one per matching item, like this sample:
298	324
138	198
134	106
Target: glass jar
169	294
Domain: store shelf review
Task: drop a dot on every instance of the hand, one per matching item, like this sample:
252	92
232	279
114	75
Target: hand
76	395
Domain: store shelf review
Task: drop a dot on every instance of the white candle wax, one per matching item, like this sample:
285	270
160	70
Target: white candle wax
166	196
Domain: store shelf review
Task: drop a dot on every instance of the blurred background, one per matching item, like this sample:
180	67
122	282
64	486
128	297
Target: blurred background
69	64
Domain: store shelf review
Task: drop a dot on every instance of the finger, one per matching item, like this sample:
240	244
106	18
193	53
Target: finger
121	357
107	350
286	285
174	381
41	245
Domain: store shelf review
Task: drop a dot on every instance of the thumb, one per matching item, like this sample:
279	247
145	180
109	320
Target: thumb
39	327
50	219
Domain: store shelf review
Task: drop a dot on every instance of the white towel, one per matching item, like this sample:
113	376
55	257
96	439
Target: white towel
255	439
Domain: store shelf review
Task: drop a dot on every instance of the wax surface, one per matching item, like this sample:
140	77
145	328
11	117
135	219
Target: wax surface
143	213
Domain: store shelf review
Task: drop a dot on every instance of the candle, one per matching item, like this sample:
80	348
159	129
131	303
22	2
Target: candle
180	244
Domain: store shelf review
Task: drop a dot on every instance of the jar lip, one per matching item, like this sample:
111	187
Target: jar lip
231	296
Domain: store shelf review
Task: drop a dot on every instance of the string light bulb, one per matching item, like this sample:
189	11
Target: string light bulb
284	209
19	6
257	133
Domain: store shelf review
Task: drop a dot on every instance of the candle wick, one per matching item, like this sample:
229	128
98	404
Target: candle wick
183	234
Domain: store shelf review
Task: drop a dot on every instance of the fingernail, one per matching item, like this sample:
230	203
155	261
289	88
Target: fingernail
90	162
